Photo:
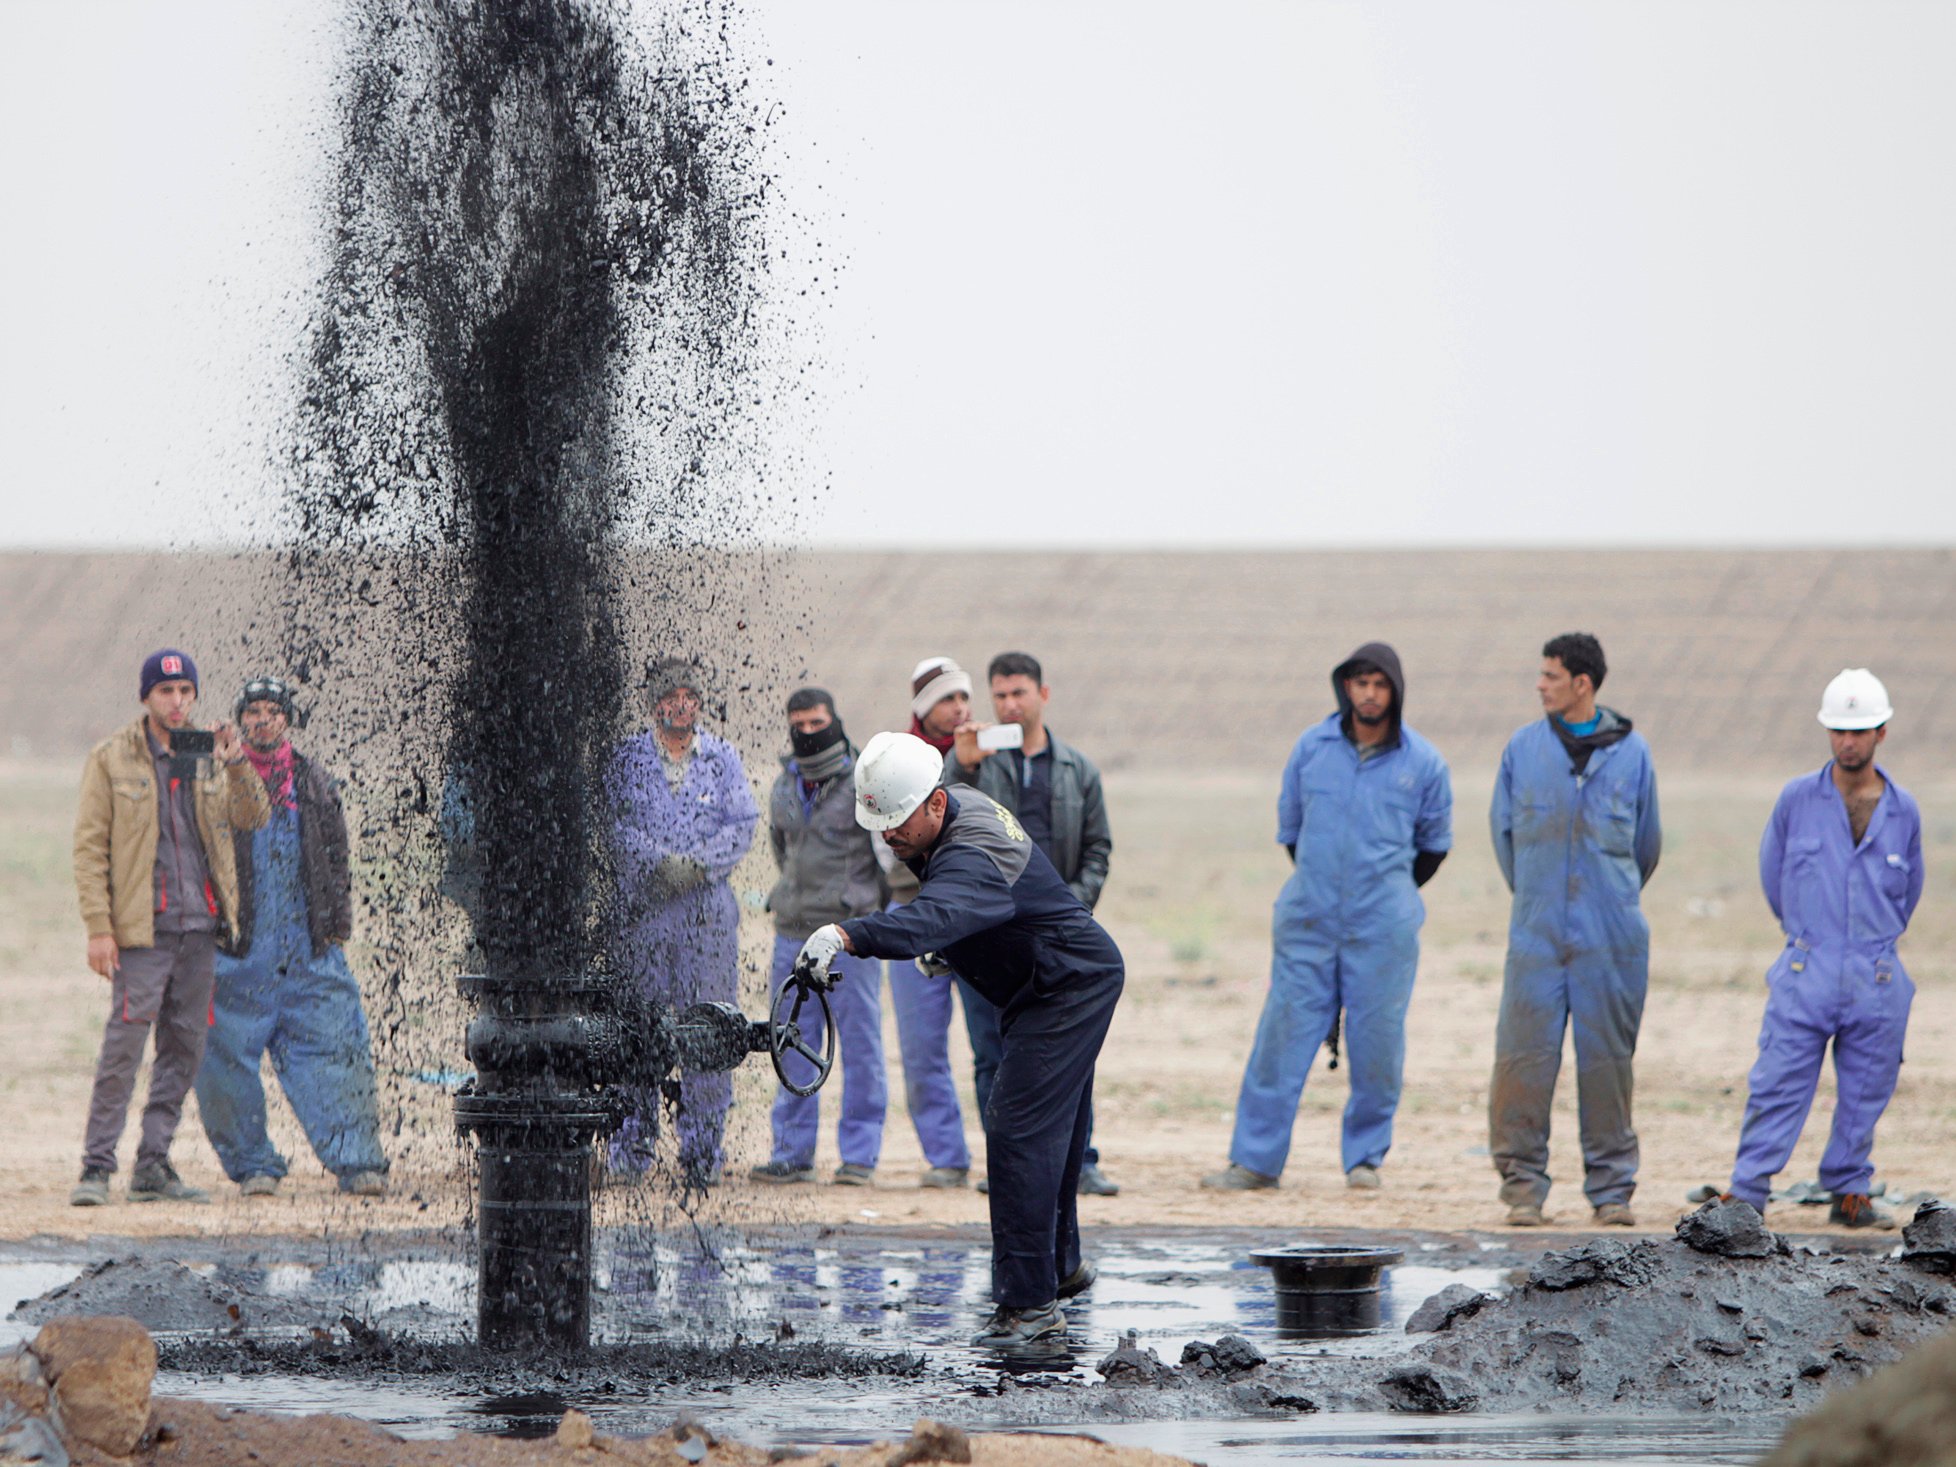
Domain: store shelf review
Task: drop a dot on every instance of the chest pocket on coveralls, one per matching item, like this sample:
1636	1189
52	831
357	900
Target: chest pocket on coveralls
1616	820
1894	877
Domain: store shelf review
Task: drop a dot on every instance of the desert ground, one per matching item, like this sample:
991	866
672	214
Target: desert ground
1195	870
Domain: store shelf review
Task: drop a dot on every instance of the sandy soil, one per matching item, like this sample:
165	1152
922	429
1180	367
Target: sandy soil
1189	903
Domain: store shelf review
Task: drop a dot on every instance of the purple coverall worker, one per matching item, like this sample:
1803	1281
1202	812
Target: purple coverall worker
681	828
1843	905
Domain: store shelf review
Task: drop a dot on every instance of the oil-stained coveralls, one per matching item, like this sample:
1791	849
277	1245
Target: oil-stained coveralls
1842	907
681	827
1345	933
1577	835
993	907
286	989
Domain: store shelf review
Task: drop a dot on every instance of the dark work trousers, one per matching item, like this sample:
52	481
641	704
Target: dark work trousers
1036	1133
981	1026
167	986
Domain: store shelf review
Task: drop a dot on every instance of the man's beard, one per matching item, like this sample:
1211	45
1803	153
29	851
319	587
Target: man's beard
1374	720
1854	763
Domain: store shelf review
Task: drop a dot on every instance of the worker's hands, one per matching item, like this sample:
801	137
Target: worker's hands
674	876
225	745
966	749
103	955
821	949
932	965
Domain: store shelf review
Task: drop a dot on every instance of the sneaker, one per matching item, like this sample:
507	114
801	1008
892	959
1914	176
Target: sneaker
1234	1178
160	1183
983	1186
365	1184
1096	1183
852	1174
781	1173
1857	1210
696	1177
1079	1281
92	1190
1012	1329
1363	1178
1615	1215
259	1186
1526	1215
945	1177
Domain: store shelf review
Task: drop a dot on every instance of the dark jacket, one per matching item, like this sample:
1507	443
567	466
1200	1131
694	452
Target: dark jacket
993	907
828	868
1082	843
325	867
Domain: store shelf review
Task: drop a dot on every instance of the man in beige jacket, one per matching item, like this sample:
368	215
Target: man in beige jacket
156	875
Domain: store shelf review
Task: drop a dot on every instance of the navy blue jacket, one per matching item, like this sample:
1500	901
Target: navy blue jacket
993	907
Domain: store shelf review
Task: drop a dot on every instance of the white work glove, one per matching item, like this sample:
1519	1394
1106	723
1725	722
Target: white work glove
931	965
817	953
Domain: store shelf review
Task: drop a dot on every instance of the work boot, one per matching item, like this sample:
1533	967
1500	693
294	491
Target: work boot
1857	1210
983	1186
259	1186
1014	1329
1096	1183
92	1190
1615	1215
854	1174
159	1182
781	1173
945	1178
1079	1281
1363	1178
1234	1178
1525	1215
365	1184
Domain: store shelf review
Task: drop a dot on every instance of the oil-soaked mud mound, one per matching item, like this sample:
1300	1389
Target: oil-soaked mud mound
354	1352
1724	1316
1905	1416
163	1295
80	1393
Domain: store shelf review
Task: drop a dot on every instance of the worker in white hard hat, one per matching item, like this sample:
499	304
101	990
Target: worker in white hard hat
1841	862
991	909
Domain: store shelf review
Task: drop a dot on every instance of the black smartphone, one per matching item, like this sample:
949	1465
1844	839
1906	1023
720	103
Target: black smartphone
191	742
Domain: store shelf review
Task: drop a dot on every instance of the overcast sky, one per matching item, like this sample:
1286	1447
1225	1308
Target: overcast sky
1119	274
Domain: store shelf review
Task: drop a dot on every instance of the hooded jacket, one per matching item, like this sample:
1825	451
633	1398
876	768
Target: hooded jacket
1358	825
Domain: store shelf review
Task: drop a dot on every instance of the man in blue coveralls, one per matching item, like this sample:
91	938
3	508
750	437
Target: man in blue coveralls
1576	832
1366	813
991	909
685	817
1841	862
284	986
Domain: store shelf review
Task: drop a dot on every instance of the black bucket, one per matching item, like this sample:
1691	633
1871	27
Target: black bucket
1325	1291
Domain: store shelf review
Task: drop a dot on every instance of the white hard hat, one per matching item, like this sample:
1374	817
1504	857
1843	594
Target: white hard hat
894	775
1855	699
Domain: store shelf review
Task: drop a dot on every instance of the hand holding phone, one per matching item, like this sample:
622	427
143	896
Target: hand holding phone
1002	736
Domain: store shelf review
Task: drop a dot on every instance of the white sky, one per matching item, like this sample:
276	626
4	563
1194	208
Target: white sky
1119	274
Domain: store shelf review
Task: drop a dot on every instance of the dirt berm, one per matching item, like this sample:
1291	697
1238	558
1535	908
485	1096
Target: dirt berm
1724	1316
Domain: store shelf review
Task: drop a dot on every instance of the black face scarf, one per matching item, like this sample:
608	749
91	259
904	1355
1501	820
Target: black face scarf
820	755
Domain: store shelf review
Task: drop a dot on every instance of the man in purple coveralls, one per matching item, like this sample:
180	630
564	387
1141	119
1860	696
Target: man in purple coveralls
685	817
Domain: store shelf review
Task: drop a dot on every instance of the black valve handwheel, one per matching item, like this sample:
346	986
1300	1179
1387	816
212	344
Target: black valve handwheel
787	1035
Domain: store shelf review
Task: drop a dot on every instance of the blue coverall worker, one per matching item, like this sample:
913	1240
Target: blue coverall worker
284	987
1843	896
683	821
992	909
1366	823
828	872
1576	832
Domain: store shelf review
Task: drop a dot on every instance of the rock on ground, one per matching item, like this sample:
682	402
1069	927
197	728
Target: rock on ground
100	1372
